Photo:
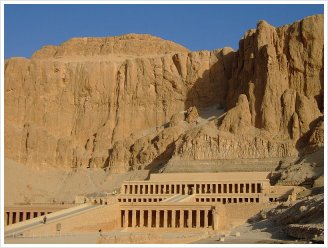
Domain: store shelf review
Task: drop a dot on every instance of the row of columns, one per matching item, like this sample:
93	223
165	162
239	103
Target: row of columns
199	218
15	217
227	200
192	188
140	199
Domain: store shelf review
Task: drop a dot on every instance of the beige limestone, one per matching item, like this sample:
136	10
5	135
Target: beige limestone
109	102
237	119
129	44
272	64
69	109
191	115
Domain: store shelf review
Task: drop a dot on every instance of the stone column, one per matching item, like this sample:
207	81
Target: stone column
142	223
134	217
189	218
217	188
197	218
10	218
165	218
215	219
181	219
6	218
126	218
206	218
11	215
157	218
173	218
149	218
24	215
211	188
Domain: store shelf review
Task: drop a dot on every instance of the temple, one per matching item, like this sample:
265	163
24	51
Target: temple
166	201
195	200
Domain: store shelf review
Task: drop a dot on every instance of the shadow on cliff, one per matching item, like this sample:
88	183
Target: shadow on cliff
302	144
161	160
211	88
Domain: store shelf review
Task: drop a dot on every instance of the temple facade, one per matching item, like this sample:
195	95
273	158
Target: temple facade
195	200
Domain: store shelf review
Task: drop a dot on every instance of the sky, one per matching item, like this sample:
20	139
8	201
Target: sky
29	27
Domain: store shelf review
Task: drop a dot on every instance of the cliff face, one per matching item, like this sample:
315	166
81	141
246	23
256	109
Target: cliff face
274	96
115	102
281	72
68	105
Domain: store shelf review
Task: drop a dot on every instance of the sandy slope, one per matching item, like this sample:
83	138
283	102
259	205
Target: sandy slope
31	184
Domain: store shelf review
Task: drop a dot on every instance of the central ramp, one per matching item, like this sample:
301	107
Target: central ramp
177	198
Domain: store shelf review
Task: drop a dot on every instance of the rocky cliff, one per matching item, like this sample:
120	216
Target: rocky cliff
121	102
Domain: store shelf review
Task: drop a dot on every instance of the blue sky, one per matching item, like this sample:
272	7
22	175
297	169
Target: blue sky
197	27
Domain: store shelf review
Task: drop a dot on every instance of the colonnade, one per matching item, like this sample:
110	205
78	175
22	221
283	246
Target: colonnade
141	199
167	218
227	200
13	217
150	188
